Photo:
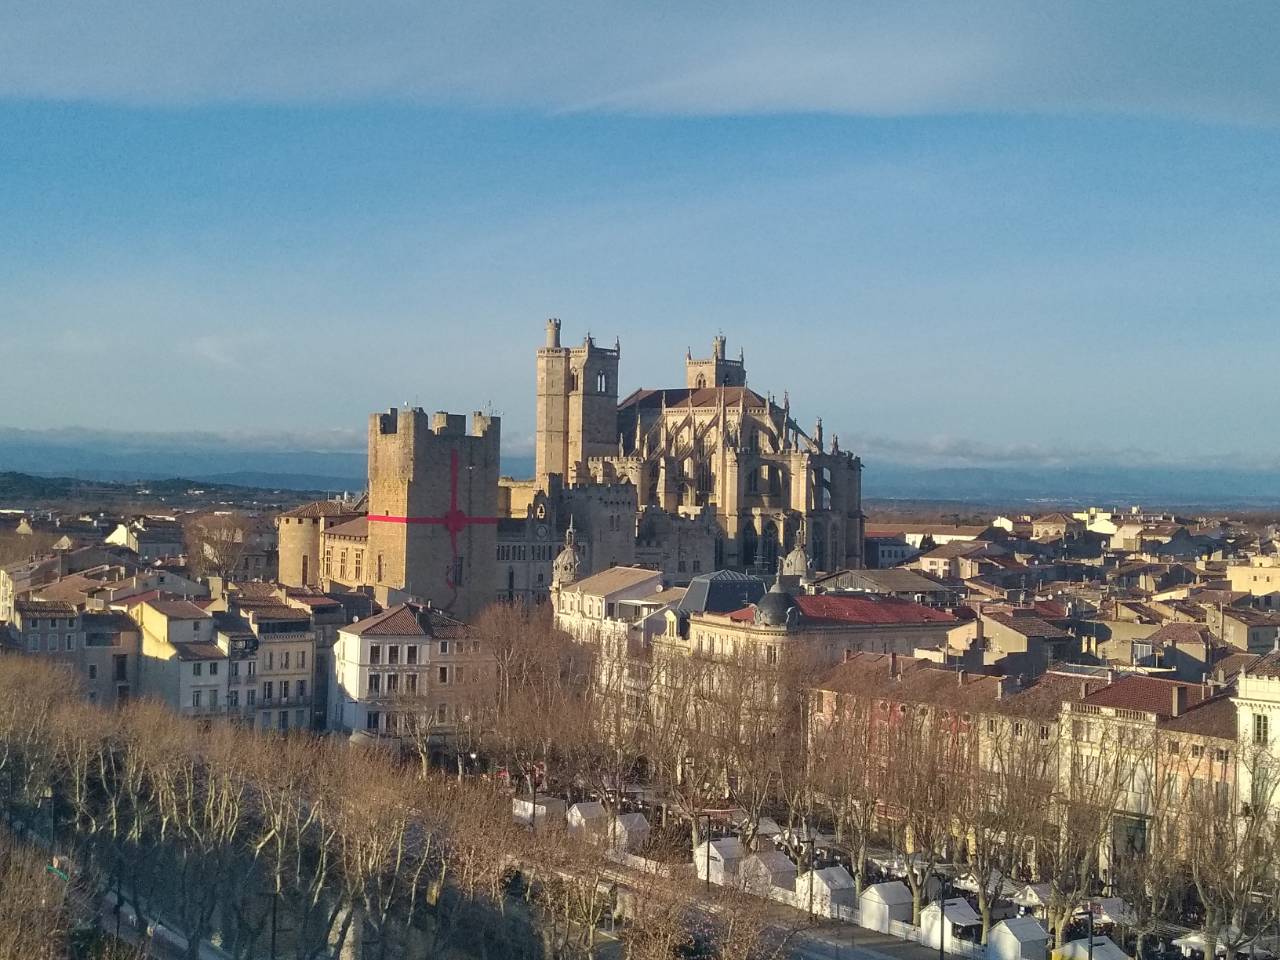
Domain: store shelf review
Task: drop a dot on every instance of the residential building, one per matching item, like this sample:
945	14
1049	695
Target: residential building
181	662
410	668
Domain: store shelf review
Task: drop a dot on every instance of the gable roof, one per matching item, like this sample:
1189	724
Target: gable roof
406	620
845	608
612	580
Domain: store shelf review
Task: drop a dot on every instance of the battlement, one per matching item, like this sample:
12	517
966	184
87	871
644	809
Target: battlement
415	422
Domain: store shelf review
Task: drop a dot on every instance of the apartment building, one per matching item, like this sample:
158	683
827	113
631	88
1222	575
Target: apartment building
181	662
409	660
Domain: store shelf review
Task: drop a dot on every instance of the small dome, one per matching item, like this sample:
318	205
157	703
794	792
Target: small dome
796	564
774	607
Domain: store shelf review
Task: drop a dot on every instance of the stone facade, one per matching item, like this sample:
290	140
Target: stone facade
713	445
433	502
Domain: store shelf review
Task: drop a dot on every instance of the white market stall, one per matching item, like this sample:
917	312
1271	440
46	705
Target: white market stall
538	812
629	832
766	869
830	886
1104	948
1018	938
959	917
588	820
724	858
881	903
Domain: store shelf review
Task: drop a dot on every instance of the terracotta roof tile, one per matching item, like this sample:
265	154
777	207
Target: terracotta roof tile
1147	694
322	508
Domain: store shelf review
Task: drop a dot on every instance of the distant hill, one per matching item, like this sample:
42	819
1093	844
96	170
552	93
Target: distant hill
119	457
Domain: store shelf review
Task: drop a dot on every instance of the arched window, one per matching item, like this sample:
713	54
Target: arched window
749	545
700	382
602	382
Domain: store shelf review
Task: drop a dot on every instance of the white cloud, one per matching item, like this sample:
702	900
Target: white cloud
1187	59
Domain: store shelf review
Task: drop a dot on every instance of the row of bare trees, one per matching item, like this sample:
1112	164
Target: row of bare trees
294	846
1180	827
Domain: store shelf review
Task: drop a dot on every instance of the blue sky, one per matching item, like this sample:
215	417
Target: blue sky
955	231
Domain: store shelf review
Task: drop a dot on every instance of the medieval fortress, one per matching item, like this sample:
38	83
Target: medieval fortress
686	480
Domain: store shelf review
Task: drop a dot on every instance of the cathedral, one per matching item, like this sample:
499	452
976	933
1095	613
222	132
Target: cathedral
686	480
721	476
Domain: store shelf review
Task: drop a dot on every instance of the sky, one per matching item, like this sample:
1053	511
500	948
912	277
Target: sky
954	231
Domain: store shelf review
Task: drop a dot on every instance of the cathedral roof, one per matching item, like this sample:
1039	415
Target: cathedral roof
721	592
700	396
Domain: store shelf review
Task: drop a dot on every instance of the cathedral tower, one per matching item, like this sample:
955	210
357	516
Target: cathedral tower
719	371
433	504
577	411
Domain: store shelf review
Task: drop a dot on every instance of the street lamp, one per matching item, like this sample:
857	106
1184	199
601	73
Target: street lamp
706	838
812	850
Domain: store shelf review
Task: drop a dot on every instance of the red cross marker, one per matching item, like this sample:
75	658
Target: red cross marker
454	520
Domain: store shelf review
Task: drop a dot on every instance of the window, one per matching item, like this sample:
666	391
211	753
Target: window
33	643
411	683
302	689
393	683
991	726
375	684
284	689
284	660
233	698
1173	747
93	672
328	561
458	675
1044	732
359	564
70	641
444	647
772	655
197	669
271	659
371	720
411	654
1197	751
375	653
442	713
120	664
283	722
213	698
1222	756
253	668
379	568
1261	729
456	579
51	642
213	669
235	668
250	697
444	675
196	696
393	654
302	659
1017	730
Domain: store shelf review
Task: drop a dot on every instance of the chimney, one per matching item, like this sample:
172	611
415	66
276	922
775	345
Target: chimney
1178	700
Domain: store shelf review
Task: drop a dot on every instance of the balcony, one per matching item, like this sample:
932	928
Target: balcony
269	702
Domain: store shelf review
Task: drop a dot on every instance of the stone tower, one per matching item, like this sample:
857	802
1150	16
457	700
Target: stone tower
433	504
577	411
719	371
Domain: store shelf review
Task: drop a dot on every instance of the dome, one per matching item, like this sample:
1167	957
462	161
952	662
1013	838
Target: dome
796	564
774	607
565	568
